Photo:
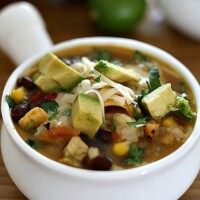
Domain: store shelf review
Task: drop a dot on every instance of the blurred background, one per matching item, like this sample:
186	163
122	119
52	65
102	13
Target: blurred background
172	25
158	22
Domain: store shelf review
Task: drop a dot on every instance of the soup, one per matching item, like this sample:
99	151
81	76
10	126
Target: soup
102	108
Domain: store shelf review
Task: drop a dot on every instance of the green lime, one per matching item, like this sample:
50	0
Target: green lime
116	16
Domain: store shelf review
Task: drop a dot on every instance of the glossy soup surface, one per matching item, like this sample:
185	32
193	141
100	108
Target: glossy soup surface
129	130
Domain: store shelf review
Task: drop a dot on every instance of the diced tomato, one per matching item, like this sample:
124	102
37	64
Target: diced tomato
59	133
50	96
116	137
40	97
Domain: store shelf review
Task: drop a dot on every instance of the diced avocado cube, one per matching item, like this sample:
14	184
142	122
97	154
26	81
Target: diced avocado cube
158	101
47	84
54	68
116	73
86	114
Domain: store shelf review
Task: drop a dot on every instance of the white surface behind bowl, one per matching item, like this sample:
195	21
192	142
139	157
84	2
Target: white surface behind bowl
184	15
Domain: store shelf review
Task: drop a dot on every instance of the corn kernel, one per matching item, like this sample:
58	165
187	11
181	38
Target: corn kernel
121	148
168	121
35	116
18	94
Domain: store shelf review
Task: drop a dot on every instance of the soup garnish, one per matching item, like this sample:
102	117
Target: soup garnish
102	108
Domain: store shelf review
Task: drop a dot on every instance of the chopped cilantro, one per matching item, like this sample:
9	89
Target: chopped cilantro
183	107
33	144
67	112
154	79
49	106
10	101
100	55
113	125
137	116
97	79
138	123
53	115
30	127
140	57
136	155
139	101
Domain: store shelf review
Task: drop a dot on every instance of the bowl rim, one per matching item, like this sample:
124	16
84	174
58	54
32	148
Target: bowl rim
103	175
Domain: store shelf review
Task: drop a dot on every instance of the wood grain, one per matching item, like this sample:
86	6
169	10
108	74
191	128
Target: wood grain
67	21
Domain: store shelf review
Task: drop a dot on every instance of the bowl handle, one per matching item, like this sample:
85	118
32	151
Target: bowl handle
23	32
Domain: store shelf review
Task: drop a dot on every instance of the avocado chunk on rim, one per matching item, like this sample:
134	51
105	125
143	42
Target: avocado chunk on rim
47	84
86	114
116	73
64	75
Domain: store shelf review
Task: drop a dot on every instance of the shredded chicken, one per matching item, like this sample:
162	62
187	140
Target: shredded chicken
74	152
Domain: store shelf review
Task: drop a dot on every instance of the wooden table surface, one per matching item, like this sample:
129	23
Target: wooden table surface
67	21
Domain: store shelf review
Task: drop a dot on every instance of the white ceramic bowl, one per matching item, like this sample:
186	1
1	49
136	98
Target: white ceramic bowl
41	178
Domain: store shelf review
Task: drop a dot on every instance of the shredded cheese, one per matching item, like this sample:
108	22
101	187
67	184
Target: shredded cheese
125	91
107	93
100	100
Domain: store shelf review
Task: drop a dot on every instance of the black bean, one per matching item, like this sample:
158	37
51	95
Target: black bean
19	111
105	136
85	138
101	163
47	126
26	82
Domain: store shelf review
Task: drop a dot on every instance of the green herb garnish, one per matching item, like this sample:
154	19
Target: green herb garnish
97	79
154	79
53	115
113	125
100	55
10	101
67	112
140	57
49	106
138	123
137	116
183	107
136	155
30	127
33	144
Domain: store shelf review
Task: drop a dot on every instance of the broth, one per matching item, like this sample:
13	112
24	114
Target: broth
130	134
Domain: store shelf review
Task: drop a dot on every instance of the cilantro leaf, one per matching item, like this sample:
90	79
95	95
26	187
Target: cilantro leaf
67	112
136	155
53	115
113	125
49	106
154	79
137	116
10	101
33	144
138	123
97	79
139	102
182	106
140	57
30	127
100	55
